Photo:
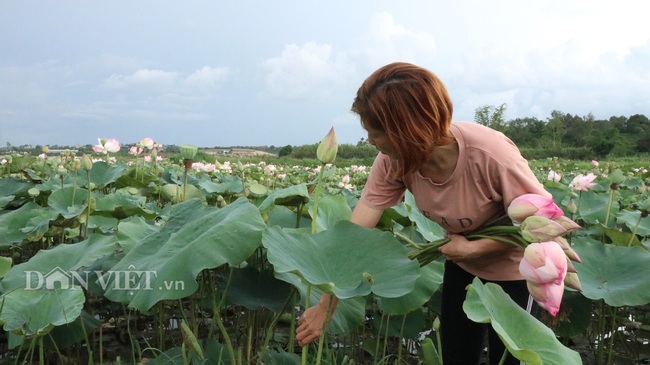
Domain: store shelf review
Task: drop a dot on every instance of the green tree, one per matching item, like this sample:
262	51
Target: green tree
285	151
555	128
491	116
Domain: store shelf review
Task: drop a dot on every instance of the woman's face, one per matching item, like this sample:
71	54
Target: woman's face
380	140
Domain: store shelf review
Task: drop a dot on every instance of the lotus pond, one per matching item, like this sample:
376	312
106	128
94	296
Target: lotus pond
135	261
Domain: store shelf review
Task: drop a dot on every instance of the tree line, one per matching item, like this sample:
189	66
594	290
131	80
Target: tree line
561	135
571	136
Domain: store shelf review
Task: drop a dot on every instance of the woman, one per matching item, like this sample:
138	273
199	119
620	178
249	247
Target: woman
462	176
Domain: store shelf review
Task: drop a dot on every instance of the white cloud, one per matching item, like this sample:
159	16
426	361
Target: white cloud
386	41
206	79
307	70
144	79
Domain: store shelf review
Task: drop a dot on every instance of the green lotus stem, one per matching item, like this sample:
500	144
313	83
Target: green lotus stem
88	207
610	351
636	227
88	347
305	347
322	333
56	348
274	321
522	243
316	197
184	354
504	356
401	333
185	183
408	240
609	205
41	355
226	337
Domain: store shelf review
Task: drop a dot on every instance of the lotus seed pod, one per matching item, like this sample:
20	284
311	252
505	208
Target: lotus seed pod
188	151
33	192
45	149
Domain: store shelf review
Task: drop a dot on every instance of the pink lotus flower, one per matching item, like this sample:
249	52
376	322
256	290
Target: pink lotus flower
544	267
107	145
554	176
528	205
146	143
135	150
582	182
548	296
594	163
543	263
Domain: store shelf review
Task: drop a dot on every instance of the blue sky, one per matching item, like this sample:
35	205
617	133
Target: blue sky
217	73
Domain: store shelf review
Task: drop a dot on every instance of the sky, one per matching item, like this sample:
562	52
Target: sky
276	73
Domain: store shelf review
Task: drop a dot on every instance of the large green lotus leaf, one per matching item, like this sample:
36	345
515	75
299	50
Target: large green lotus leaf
331	209
349	313
11	186
61	258
255	289
618	275
36	312
526	338
102	224
165	264
122	204
69	202
213	351
428	283
30	221
229	184
5	200
346	260
593	207
103	174
285	217
133	230
293	195
633	220
429	229
174	193
66	335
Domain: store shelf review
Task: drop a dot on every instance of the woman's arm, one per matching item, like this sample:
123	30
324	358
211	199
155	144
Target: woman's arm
311	322
461	249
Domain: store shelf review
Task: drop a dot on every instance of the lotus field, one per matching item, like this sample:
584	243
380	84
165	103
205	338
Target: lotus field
162	259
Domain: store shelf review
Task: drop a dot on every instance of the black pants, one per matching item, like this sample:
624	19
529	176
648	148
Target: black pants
462	339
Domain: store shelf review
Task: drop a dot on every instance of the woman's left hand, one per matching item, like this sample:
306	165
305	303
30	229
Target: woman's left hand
458	248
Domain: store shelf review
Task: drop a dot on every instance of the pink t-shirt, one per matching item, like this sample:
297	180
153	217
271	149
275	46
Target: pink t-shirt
489	174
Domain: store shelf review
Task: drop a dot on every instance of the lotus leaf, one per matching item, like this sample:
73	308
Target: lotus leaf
193	237
30	220
347	260
36	312
526	338
618	275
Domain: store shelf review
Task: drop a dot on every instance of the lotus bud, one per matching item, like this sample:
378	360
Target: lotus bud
436	324
572	281
572	207
540	229
326	151
33	192
188	151
567	223
86	162
528	205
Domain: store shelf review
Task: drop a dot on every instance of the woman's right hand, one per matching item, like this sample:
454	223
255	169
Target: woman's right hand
310	324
